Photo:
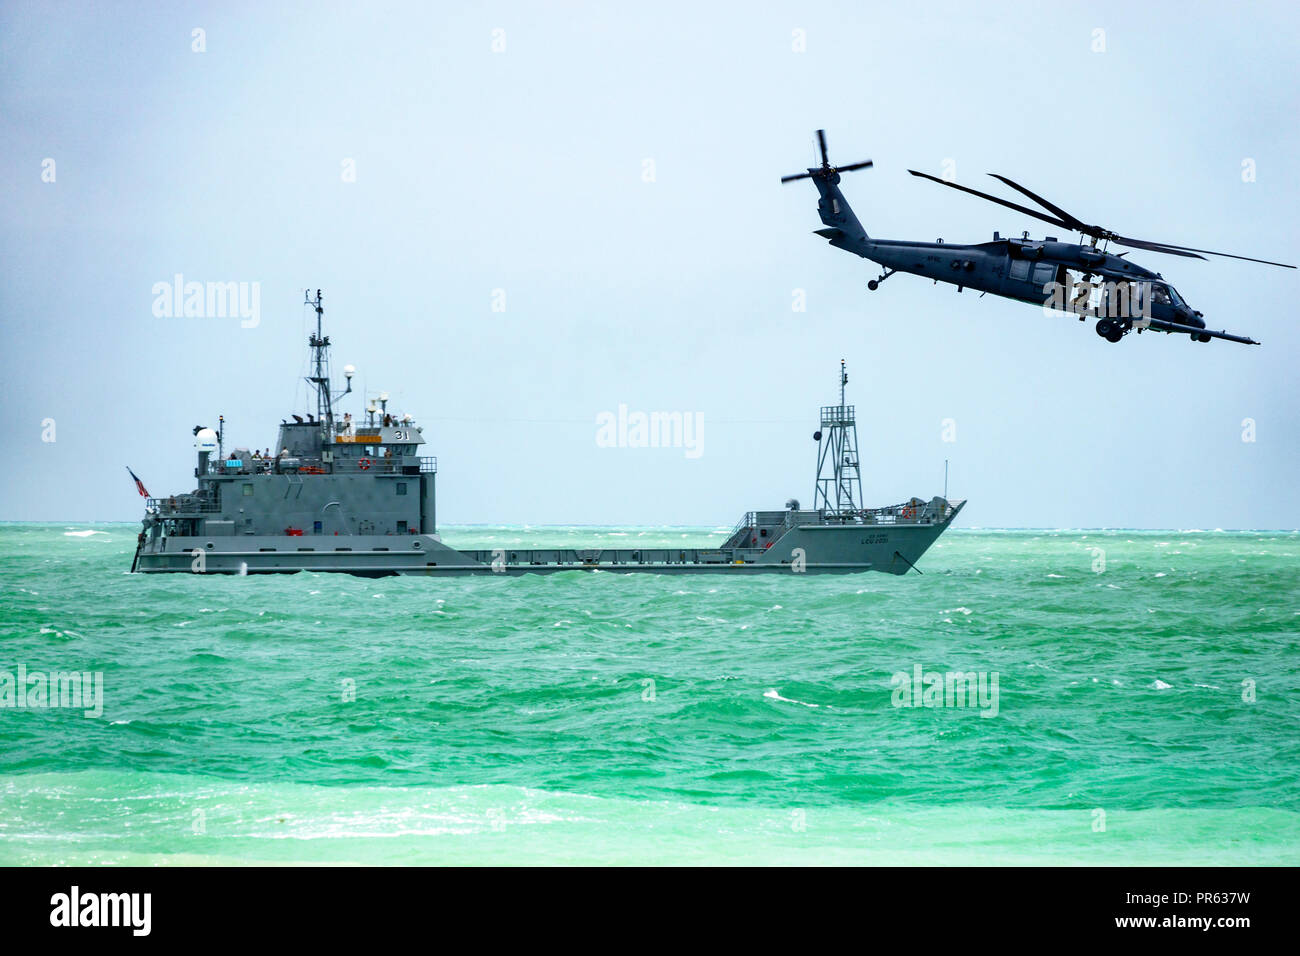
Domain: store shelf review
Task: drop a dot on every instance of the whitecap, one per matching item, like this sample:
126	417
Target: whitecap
82	534
771	694
1160	685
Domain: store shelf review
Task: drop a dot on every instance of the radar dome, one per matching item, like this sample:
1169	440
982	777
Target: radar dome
205	439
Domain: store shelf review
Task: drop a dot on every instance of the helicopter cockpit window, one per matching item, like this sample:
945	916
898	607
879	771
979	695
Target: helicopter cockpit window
1160	295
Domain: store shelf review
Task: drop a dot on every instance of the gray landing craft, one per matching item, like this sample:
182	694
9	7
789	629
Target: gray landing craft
1071	277
343	496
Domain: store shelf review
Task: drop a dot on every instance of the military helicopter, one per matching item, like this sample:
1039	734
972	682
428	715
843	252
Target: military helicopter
1122	295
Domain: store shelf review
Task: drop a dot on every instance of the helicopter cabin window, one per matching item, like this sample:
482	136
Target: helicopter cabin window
1044	273
1019	269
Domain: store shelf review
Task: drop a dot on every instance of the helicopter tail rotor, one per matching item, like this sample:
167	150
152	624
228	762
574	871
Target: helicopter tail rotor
826	171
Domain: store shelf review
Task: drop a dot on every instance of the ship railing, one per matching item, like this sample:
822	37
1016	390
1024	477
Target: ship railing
837	415
779	521
904	513
745	523
742	529
406	465
182	504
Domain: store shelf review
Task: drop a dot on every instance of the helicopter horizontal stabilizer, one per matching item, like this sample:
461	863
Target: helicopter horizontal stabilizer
829	233
1158	325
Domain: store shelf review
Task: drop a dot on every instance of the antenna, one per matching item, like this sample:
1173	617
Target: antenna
320	377
839	478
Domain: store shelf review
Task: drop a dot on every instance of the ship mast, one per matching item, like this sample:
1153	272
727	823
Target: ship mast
320	377
839	478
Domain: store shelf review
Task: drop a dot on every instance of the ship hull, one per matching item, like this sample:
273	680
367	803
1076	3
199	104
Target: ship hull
802	549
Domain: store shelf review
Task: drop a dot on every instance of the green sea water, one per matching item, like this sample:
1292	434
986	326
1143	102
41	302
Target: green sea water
1147	710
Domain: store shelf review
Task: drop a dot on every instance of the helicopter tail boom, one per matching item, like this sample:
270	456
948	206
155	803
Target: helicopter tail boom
843	228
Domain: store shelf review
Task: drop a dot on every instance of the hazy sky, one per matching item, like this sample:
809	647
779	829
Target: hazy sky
525	170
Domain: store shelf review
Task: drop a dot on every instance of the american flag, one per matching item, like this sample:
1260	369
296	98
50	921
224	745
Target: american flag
139	485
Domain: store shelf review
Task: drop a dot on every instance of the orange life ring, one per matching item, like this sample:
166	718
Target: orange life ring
909	512
363	464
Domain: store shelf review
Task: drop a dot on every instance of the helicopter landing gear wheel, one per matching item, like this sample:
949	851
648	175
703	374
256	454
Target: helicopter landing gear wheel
1110	330
1200	337
874	284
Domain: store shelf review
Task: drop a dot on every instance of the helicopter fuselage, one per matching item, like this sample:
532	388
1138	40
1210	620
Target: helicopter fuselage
1063	276
1047	272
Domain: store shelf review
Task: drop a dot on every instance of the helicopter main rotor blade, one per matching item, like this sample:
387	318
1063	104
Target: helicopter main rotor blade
1001	202
1077	224
1155	247
1165	247
790	179
1189	250
853	166
821	141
